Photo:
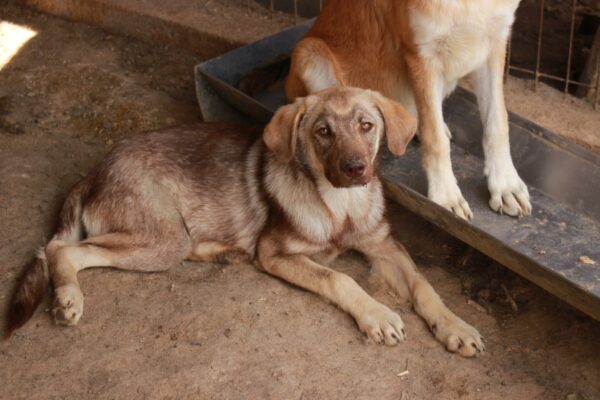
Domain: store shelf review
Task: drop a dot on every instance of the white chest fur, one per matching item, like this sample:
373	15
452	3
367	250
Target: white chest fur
362	206
458	36
321	212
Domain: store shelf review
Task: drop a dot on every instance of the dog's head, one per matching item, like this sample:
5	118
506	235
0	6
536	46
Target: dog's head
337	132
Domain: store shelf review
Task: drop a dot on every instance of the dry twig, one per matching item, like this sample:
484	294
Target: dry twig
405	372
509	298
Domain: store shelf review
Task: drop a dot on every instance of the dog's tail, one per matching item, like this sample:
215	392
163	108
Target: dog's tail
36	278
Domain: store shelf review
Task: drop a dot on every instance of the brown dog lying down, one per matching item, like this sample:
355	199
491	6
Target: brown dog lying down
294	200
415	51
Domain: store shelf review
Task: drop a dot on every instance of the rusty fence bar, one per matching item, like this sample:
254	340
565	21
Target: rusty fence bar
597	86
507	60
568	74
295	12
537	74
539	44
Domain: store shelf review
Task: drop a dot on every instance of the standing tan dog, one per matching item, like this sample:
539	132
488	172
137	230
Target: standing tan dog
415	51
294	200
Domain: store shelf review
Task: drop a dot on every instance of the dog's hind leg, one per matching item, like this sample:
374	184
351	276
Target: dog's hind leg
119	250
218	252
390	260
313	68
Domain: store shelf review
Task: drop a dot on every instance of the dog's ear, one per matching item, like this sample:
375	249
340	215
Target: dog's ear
281	132
400	125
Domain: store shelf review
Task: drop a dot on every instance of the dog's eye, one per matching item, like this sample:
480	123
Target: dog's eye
366	126
324	131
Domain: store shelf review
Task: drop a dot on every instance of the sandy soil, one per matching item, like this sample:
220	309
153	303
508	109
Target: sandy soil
569	116
216	331
207	27
574	118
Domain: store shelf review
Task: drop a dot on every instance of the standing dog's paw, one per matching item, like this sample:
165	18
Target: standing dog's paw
448	195
382	325
509	194
458	336
68	305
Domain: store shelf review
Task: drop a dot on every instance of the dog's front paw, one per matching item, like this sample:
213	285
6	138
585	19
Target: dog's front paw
447	194
509	194
382	325
68	305
458	336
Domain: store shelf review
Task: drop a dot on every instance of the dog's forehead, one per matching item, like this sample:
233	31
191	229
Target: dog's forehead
343	104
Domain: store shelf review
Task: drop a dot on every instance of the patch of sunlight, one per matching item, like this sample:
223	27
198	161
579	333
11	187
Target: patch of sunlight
12	38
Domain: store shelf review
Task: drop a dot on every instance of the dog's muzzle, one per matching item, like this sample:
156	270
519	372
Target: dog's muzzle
354	169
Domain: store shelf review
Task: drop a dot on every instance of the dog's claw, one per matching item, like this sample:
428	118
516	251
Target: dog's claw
448	195
68	305
382	325
458	336
508	193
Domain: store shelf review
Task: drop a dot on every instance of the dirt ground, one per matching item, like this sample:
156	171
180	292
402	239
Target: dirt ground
230	331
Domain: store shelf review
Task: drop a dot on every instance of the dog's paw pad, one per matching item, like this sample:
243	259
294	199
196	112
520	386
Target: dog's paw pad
68	305
382	325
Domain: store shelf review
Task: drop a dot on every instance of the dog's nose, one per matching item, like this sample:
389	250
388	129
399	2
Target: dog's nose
354	168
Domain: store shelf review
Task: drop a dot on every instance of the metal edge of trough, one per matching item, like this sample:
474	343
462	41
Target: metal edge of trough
495	249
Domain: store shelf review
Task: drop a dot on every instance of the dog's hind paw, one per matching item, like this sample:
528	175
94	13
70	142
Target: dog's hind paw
382	325
68	305
458	336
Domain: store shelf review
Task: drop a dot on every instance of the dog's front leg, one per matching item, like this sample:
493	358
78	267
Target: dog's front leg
375	319
392	262
428	90
509	194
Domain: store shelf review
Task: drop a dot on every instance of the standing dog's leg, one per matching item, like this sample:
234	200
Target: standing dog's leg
508	192
119	250
428	90
390	260
313	68
375	319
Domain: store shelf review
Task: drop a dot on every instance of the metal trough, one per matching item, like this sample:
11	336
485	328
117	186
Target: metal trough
564	178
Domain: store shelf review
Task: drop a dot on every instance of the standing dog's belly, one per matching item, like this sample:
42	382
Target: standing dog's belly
459	41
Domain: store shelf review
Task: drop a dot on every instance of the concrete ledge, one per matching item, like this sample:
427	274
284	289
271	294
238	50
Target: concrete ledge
204	28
